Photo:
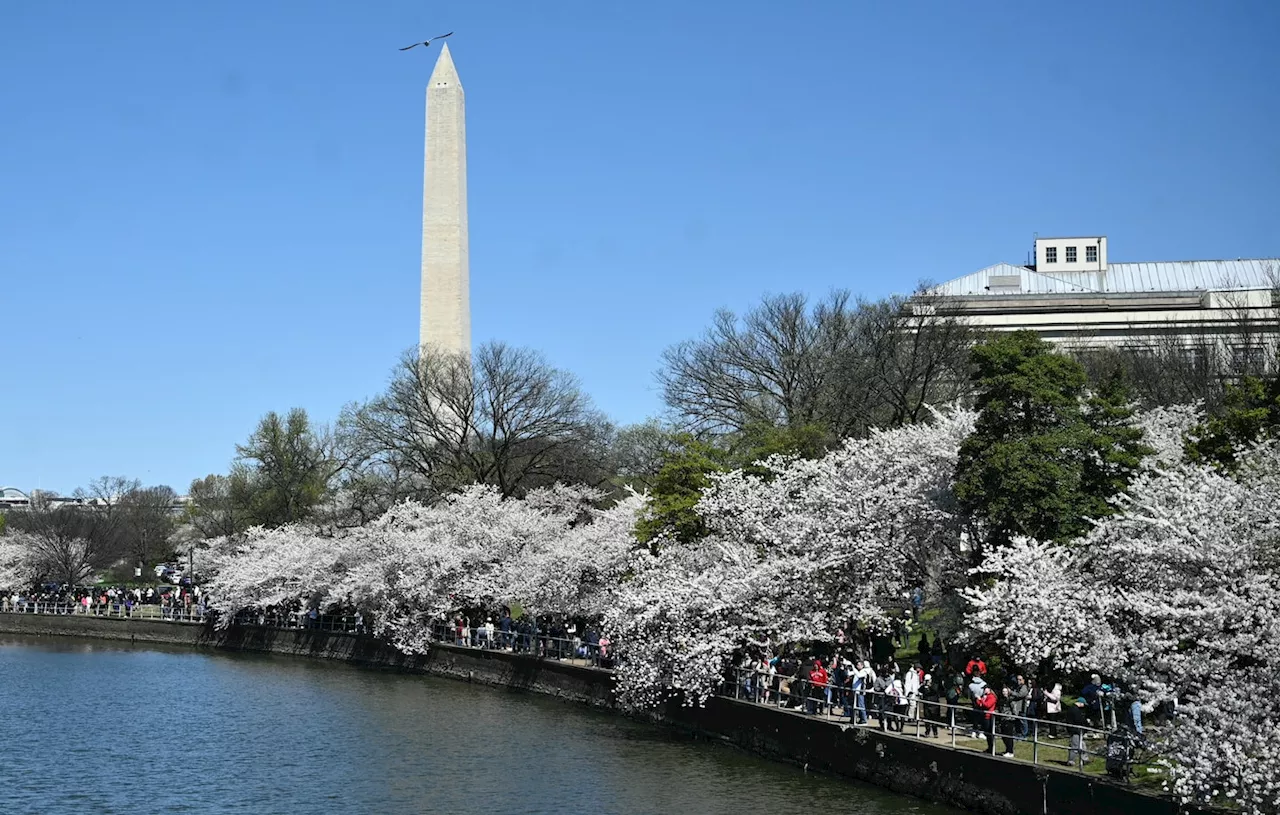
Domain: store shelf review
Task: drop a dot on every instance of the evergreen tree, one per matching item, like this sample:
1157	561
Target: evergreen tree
1041	460
289	466
677	489
1115	446
758	442
1250	411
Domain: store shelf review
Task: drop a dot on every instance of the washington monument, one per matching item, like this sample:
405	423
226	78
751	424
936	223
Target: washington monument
445	319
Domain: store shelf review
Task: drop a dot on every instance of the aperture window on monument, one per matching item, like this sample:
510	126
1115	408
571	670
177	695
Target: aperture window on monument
1051	254
1071	254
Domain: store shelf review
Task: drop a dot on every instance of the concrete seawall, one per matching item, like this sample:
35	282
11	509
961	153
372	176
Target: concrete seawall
571	682
74	625
936	772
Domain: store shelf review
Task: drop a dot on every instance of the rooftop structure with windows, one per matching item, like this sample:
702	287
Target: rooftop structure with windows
1073	293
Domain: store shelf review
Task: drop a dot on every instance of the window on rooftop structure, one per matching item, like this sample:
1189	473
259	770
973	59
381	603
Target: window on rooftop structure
1071	254
1051	254
1091	254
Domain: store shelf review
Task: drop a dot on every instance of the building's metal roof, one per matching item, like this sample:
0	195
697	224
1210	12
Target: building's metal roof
1121	278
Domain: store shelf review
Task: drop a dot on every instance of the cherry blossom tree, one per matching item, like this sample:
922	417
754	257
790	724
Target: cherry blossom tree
680	618
1165	429
577	571
18	567
793	555
1178	597
417	564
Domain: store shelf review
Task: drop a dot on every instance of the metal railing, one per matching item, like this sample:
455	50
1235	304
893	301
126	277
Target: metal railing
118	610
925	719
350	624
304	621
532	641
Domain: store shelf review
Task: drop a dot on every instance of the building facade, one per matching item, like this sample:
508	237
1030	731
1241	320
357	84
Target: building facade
1073	295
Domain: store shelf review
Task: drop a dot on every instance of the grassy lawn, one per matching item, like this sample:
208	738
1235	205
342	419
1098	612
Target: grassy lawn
1051	751
1054	753
911	651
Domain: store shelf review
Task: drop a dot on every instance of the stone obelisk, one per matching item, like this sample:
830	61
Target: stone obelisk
445	320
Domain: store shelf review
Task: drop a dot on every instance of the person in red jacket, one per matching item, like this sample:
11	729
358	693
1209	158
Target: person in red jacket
986	704
818	679
976	667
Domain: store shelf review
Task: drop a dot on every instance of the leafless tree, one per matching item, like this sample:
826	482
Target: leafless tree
907	356
842	364
765	368
503	417
148	522
639	451
69	542
107	495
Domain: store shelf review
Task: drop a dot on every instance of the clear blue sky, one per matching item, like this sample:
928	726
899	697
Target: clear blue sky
212	210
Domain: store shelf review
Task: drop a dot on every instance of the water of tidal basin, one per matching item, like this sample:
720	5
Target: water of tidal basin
96	727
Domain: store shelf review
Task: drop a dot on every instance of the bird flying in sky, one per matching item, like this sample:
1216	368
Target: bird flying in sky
428	42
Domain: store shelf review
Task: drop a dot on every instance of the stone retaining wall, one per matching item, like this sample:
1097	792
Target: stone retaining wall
105	628
575	683
934	771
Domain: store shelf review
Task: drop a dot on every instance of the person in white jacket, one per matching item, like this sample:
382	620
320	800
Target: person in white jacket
1053	708
911	689
898	695
864	679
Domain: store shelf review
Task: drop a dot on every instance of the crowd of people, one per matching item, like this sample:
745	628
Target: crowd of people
865	683
297	615
862	680
555	637
172	602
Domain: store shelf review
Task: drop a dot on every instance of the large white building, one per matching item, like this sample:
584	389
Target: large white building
1073	294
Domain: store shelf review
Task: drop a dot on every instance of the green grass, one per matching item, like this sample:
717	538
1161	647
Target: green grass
1054	753
911	651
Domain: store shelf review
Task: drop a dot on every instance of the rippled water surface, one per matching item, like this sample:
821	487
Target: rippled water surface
88	727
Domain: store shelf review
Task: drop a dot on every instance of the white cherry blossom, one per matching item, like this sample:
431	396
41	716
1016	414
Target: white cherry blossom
792	557
1178	597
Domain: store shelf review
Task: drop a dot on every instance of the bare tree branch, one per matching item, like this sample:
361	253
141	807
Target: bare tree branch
841	364
503	417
